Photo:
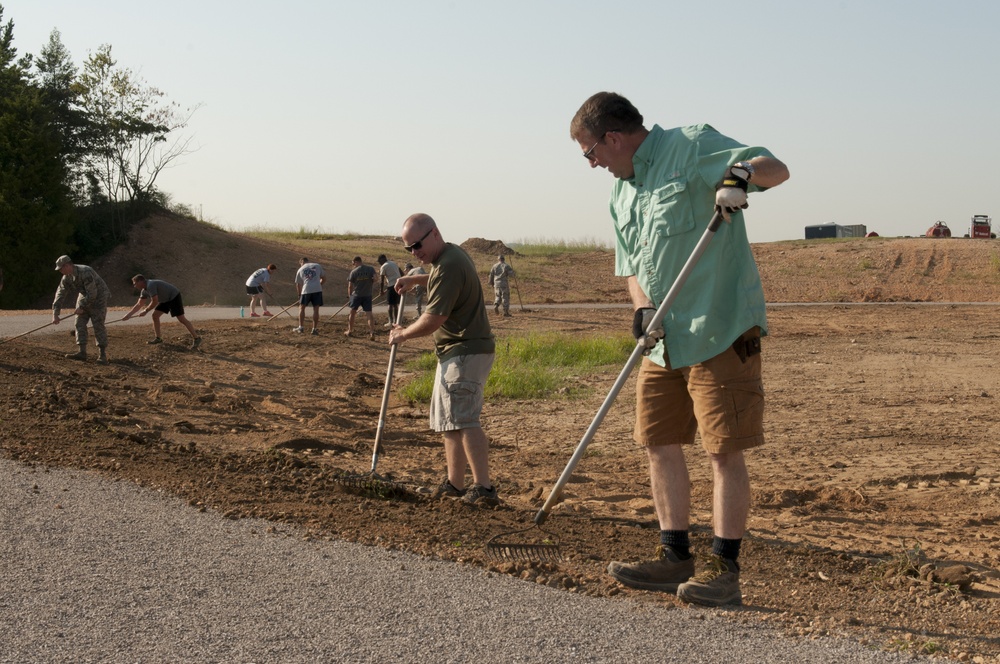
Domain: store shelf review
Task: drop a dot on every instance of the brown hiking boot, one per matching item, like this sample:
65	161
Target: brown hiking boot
717	585
103	357
78	355
663	573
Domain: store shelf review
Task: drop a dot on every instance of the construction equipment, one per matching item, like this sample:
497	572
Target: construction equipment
939	229
640	347
981	227
371	483
24	334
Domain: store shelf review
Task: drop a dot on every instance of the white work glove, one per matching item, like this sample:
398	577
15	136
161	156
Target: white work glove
640	323
731	192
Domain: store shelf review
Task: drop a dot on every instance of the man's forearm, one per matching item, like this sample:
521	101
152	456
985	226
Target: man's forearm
768	172
639	297
424	326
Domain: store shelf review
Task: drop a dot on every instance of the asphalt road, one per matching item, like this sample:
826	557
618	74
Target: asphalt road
15	322
102	571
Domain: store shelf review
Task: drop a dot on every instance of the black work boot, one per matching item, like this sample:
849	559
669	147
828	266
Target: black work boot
78	355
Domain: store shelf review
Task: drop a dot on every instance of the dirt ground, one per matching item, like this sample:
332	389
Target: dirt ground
876	503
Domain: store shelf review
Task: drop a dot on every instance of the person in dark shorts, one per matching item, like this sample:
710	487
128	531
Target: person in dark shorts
309	282
360	283
161	298
388	274
258	284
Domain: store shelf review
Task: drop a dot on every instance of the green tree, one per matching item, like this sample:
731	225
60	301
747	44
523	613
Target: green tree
57	79
35	209
130	127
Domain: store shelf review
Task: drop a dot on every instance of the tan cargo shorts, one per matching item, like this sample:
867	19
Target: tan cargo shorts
722	399
459	383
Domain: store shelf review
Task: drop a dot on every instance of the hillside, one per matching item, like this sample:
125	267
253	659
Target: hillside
210	266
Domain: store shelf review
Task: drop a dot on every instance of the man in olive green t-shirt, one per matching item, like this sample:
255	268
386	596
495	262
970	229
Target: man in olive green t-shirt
456	317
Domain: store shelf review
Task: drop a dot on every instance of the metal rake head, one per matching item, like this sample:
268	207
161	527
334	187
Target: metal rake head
373	486
504	547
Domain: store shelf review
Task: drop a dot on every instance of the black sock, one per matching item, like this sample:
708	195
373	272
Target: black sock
727	548
678	541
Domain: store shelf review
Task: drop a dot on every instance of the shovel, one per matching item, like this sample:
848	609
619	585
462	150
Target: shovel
497	547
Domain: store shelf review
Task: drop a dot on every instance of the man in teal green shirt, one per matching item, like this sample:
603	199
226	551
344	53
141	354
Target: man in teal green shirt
703	373
465	348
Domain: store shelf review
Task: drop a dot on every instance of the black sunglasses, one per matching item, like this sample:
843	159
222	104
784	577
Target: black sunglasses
419	243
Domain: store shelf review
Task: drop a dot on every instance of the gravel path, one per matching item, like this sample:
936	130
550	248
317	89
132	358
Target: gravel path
101	571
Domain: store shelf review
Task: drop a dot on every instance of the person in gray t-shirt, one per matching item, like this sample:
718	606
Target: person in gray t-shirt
162	297
360	282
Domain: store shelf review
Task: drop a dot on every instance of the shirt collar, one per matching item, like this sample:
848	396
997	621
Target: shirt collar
642	160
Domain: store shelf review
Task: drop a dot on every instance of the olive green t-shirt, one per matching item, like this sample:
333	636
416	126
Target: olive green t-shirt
454	290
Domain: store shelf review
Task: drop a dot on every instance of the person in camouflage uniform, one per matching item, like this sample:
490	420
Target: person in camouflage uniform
419	292
501	289
92	297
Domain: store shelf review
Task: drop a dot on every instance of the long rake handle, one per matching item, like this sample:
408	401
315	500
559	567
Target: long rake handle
517	289
633	359
341	309
24	334
386	392
282	311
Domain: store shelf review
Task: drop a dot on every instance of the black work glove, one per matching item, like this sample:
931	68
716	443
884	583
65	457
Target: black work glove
731	192
640	322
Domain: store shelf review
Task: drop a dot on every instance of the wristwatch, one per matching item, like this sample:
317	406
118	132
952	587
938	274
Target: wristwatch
739	168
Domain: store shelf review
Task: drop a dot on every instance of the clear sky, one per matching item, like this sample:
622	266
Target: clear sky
349	116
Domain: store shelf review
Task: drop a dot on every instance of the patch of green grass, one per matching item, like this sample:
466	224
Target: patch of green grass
536	366
544	247
302	234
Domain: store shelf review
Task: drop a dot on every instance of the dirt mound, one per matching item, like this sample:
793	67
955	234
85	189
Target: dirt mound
209	265
493	247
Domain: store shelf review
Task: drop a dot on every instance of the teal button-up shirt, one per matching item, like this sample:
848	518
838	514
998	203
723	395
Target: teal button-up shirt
660	214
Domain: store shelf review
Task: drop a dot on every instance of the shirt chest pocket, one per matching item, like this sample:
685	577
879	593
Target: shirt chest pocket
670	211
625	220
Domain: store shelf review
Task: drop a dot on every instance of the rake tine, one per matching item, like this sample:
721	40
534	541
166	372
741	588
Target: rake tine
499	550
373	484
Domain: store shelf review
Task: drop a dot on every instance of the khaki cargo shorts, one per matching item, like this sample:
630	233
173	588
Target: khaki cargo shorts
721	398
459	383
